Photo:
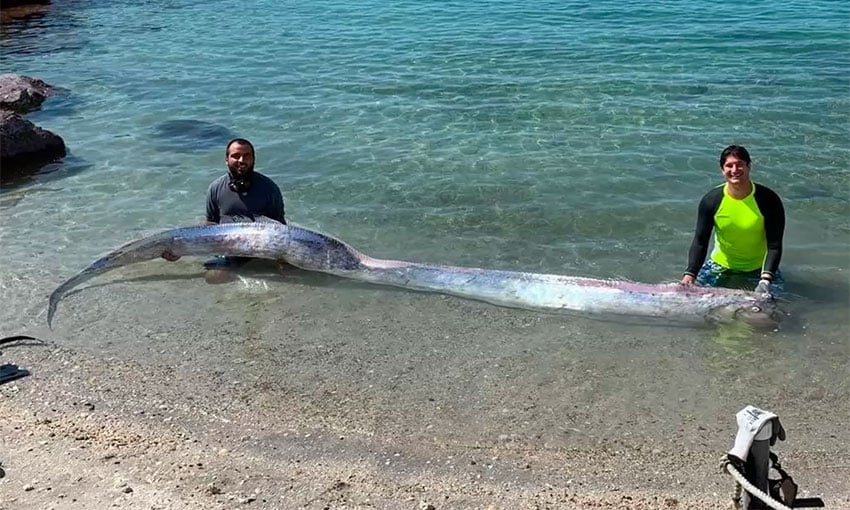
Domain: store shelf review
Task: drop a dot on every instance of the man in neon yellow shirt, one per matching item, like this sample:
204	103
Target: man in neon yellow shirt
748	220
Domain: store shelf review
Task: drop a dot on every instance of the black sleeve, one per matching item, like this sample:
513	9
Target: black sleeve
771	208
277	208
705	222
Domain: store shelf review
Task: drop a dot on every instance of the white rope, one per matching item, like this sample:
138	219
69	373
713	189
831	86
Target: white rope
752	489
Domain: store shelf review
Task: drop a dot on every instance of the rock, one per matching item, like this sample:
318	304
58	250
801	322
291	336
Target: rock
24	147
22	3
22	9
22	94
191	135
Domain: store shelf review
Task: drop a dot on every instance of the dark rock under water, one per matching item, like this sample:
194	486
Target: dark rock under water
190	135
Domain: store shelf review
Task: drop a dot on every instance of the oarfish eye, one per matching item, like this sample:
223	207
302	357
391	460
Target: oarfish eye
755	309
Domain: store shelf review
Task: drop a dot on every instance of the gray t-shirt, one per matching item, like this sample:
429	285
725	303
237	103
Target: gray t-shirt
263	198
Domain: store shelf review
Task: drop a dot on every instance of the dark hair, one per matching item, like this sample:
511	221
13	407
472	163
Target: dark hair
240	141
735	150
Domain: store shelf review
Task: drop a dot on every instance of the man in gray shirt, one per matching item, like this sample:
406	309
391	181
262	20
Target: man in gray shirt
241	195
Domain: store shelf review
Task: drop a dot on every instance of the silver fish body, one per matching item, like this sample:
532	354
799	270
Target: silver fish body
556	293
266	240
314	251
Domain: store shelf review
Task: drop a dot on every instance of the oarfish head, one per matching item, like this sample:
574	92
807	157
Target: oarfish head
755	309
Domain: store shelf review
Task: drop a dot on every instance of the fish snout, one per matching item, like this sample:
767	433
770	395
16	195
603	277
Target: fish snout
762	313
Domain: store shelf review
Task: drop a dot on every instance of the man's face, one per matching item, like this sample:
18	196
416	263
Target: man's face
240	160
736	170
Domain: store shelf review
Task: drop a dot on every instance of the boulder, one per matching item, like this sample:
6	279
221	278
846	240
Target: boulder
11	10
25	147
22	94
9	4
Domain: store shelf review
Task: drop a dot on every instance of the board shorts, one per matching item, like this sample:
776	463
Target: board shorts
712	274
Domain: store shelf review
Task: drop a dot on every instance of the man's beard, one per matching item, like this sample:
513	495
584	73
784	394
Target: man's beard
240	180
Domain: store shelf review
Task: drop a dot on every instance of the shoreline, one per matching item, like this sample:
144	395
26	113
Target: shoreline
140	449
119	417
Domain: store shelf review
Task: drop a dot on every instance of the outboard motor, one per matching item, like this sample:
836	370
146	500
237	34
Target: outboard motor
752	460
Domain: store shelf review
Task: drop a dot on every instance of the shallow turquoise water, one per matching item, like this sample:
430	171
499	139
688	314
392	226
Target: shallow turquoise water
557	137
564	137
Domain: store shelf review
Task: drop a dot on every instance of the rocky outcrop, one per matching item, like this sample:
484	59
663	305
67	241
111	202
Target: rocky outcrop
22	94
11	10
8	4
24	147
23	141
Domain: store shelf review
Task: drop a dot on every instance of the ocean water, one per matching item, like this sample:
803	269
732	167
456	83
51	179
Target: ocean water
562	137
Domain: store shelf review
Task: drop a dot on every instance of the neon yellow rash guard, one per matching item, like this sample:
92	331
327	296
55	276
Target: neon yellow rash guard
747	233
740	243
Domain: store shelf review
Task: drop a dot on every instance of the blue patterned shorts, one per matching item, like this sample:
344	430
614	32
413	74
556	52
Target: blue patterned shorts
712	274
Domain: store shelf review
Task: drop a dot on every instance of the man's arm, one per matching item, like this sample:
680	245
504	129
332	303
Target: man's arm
277	209
702	234
774	228
213	212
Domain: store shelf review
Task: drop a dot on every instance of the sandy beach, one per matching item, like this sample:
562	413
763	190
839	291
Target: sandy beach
319	394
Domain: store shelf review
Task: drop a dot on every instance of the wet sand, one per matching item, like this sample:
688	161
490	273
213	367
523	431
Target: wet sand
314	393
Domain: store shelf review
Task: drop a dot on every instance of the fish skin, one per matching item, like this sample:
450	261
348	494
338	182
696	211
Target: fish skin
558	294
314	251
300	247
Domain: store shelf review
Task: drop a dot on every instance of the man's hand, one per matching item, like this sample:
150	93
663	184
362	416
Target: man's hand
167	255
688	279
763	286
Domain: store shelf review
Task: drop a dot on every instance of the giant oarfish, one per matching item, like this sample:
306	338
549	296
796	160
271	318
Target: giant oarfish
314	251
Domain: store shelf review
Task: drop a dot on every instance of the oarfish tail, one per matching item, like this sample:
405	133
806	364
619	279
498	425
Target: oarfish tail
144	249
